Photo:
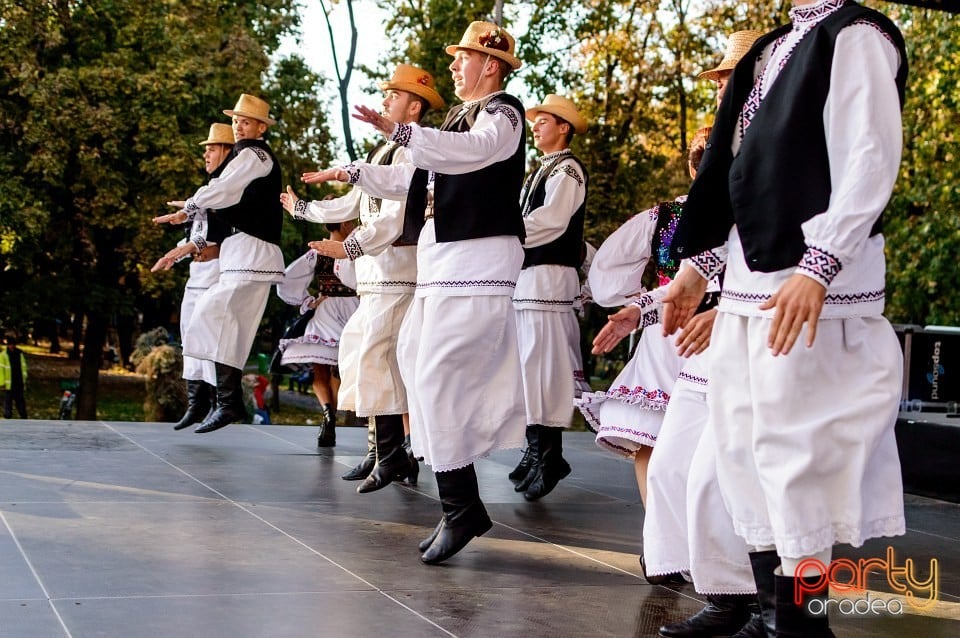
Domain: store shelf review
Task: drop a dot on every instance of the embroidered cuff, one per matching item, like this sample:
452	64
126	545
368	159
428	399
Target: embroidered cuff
708	264
199	242
506	111
353	248
401	134
300	209
820	265
353	173
649	310
191	209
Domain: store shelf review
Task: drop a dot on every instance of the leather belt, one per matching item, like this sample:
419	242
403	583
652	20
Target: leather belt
208	254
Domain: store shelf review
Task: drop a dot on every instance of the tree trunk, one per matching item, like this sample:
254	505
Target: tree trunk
94	339
77	334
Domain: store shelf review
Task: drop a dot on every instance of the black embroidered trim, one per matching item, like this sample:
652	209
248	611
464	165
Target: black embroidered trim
353	173
199	242
844	299
816	12
262	154
708	264
692	378
255	271
394	284
510	114
504	283
300	209
191	209
546	302
569	170
353	248
401	135
820	264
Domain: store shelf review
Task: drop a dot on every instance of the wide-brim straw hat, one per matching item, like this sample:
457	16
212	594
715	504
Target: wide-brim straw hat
414	80
738	44
252	107
562	108
219	134
486	37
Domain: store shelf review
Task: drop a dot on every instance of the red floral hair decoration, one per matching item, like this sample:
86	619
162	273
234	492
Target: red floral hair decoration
494	40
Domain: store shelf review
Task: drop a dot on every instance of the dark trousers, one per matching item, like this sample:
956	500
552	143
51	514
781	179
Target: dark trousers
9	398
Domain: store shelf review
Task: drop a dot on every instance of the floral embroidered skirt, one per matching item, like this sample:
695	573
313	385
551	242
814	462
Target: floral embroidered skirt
320	342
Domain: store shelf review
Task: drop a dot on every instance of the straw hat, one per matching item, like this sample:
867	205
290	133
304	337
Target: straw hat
738	44
252	107
413	80
562	108
219	134
486	37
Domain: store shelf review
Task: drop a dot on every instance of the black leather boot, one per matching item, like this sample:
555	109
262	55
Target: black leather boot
533	448
428	541
526	461
723	615
198	405
464	516
230	408
762	621
392	461
414	466
552	467
801	620
365	466
212	393
327	437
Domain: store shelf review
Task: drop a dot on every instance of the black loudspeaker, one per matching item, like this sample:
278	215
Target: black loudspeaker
931	375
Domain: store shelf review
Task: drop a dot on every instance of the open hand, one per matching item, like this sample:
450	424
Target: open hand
798	301
619	325
682	299
373	117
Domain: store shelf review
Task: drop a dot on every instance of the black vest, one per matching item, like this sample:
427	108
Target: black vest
781	175
259	212
566	249
484	203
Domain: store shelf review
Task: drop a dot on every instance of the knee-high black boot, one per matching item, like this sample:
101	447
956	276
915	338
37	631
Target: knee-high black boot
761	623
327	437
723	615
392	460
552	466
198	405
365	466
414	466
464	516
801	620
230	408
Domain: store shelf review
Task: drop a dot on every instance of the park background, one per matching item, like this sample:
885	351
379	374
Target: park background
103	103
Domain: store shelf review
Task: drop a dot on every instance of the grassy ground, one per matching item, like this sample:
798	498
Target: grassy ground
120	393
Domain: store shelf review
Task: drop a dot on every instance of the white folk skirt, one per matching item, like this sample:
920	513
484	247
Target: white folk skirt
547	367
629	414
806	454
370	381
461	366
320	342
225	321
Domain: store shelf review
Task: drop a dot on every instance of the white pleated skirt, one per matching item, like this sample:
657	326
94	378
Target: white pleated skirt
460	364
320	342
370	381
629	414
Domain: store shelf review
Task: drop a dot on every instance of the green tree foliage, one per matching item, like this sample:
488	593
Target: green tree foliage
102	103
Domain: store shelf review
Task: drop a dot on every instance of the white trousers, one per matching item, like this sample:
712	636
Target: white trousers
806	454
225	321
461	367
547	365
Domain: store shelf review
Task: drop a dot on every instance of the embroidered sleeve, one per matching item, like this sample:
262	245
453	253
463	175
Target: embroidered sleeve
569	171
709	263
353	173
401	134
199	241
819	265
300	209
495	108
650	307
353	248
191	209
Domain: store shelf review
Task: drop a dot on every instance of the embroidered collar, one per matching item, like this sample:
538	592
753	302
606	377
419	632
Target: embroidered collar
809	14
466	106
549	157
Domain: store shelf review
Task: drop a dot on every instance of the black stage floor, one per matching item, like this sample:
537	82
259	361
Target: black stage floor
133	530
